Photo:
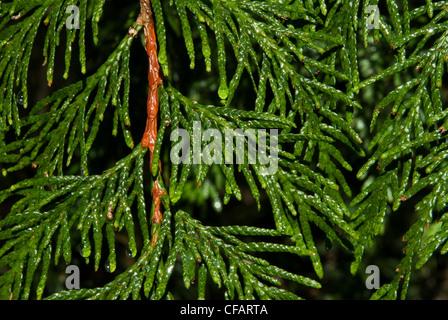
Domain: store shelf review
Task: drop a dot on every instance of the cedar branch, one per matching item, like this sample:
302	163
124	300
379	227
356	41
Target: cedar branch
145	19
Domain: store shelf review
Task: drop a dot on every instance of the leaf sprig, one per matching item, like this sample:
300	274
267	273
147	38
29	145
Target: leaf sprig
346	114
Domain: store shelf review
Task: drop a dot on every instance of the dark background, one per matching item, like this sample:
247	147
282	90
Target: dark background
431	282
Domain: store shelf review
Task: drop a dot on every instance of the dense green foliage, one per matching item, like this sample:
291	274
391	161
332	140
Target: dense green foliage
362	137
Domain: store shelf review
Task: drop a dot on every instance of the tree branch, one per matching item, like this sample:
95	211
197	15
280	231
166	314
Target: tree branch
145	19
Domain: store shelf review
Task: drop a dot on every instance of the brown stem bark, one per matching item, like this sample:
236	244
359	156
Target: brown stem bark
152	106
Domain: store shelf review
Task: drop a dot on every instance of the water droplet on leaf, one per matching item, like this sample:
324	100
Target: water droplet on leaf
107	266
20	99
129	253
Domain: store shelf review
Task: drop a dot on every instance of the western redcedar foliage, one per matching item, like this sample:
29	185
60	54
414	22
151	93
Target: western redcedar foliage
361	118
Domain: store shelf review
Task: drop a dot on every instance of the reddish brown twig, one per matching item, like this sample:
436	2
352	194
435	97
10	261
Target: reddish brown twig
152	106
145	18
157	216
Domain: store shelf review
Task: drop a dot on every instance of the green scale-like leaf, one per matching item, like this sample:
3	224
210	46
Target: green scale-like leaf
361	121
